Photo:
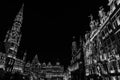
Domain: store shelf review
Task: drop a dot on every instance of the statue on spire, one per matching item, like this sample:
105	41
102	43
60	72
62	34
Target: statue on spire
13	37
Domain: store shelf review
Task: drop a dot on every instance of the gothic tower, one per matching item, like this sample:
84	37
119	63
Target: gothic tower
13	37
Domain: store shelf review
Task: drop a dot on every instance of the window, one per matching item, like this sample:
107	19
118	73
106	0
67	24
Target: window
106	32
109	28
115	25
118	21
16	26
103	35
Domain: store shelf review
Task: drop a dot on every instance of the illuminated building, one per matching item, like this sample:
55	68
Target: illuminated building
27	69
8	60
90	50
102	44
37	70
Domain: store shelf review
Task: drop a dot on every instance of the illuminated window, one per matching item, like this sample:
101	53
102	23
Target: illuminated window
106	32
118	21
109	28
115	25
103	35
16	26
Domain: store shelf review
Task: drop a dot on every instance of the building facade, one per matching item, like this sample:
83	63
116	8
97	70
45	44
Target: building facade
102	44
37	70
76	67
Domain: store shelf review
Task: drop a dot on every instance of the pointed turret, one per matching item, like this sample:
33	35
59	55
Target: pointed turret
49	64
44	64
35	60
13	37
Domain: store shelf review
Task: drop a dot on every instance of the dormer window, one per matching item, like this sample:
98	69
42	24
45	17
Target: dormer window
115	25
118	21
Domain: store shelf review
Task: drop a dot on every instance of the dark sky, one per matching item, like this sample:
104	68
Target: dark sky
48	27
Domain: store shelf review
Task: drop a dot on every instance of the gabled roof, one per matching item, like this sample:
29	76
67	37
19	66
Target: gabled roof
35	60
44	64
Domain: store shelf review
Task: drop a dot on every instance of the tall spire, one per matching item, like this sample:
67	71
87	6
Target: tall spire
19	16
13	37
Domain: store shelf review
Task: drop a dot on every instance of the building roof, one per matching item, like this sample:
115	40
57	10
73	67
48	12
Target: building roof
35	60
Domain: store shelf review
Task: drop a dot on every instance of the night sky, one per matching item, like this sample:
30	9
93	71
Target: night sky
48	27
